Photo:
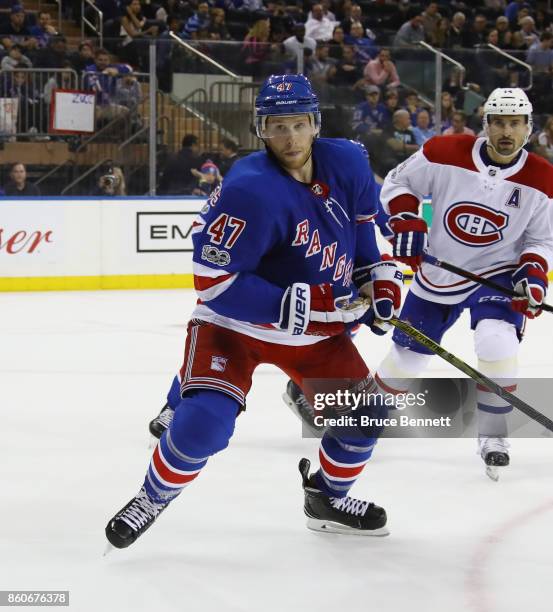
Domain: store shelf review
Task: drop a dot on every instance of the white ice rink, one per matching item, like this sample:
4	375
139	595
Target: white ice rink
81	374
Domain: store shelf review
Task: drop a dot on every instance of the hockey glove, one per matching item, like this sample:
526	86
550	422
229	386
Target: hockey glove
410	238
382	282
313	309
530	281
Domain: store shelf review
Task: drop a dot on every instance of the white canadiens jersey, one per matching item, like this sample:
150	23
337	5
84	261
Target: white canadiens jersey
483	217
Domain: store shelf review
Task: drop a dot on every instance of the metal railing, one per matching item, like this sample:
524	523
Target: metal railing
438	57
515	60
97	27
30	90
204	57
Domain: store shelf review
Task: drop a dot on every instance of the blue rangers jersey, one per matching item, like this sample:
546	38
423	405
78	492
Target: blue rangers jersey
263	230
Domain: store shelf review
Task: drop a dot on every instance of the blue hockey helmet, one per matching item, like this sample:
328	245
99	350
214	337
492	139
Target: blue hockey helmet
286	94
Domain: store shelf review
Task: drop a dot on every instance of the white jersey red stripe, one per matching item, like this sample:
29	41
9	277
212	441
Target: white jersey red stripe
483	217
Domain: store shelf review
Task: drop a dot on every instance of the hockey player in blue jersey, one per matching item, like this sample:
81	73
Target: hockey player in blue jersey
274	251
293	396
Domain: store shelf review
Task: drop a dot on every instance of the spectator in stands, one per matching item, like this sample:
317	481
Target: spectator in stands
58	80
504	32
410	33
422	130
413	105
177	178
399	140
228	155
540	57
355	16
391	105
15	59
134	28
322	69
298	41
327	5
318	26
337	43
101	77
177	8
477	35
544	144
456	34
17	85
542	19
448	109
82	58
430	20
365	48
369	115
128	93
14	31
164	55
381	71
527	35
540	54
281	22
217	28
512	10
111	183
54	55
458	125
347	73
209	178
441	34
492	67
43	30
256	48
18	184
200	20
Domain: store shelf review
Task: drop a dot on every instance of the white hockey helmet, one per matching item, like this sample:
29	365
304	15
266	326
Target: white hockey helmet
508	101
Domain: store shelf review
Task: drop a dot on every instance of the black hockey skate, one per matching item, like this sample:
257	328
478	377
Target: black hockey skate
297	402
339	514
133	520
494	453
162	421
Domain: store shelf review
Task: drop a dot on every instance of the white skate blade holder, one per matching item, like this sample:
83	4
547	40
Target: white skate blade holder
493	472
332	527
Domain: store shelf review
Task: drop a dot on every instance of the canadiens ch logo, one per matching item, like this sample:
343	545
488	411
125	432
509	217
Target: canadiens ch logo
474	224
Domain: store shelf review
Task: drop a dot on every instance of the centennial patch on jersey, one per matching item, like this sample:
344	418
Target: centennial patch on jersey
474	224
215	256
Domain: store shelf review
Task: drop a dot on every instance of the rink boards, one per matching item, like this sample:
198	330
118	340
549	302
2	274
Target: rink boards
86	243
53	244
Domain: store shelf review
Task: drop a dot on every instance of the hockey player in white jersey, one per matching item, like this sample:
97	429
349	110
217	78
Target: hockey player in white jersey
493	216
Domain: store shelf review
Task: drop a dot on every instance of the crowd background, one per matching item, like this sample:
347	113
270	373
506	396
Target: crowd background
375	81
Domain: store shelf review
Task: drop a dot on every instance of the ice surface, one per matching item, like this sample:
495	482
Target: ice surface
81	374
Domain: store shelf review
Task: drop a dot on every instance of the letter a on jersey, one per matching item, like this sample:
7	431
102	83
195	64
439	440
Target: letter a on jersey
514	198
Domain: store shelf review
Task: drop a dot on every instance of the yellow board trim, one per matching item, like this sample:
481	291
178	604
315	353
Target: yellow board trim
93	283
120	281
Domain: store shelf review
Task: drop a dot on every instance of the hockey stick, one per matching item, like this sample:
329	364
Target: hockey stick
480	378
477	279
458	363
